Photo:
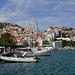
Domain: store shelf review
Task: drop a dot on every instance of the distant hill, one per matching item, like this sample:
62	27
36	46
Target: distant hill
9	24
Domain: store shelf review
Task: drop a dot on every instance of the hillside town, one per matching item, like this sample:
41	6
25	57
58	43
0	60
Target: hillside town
53	36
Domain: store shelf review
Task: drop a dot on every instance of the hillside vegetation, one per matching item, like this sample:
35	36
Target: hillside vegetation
9	24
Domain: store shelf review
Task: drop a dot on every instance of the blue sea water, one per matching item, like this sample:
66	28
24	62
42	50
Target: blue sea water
59	63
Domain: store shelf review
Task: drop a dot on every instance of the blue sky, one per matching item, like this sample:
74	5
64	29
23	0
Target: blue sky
46	12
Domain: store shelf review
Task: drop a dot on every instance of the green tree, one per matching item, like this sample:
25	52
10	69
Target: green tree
68	43
55	39
46	42
1	25
64	43
22	29
63	35
7	38
59	33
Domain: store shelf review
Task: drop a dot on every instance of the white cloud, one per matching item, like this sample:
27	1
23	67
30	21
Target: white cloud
23	23
22	3
20	11
44	1
57	7
67	24
28	3
68	2
3	19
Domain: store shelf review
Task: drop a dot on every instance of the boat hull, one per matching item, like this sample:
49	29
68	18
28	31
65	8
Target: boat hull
43	54
14	59
39	53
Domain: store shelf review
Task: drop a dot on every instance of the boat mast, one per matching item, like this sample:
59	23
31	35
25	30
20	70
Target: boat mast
37	33
30	35
33	33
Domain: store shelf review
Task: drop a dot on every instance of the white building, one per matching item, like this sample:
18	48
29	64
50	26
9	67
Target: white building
57	44
39	40
73	38
67	39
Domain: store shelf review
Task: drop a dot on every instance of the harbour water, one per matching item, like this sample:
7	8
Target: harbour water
59	63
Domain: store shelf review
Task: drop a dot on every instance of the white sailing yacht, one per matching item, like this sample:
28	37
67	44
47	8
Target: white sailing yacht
41	50
37	50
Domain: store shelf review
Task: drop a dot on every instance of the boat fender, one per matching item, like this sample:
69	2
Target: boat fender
51	48
39	48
